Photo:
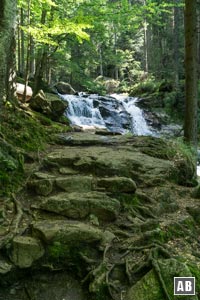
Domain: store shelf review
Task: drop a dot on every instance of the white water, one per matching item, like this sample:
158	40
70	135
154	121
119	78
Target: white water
198	170
139	124
81	112
85	112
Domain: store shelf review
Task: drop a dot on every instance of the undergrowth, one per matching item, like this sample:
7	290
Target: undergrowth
21	132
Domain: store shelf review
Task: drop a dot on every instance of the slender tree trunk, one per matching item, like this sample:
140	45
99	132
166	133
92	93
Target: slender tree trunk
32	57
190	128
18	47
198	41
7	49
176	45
40	61
100	61
27	56
22	45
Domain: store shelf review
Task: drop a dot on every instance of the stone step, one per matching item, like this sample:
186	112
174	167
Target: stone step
80	205
70	233
43	184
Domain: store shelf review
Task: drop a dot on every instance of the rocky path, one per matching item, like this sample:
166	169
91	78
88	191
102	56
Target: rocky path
107	212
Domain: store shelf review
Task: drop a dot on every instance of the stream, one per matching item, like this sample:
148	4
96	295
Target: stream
116	113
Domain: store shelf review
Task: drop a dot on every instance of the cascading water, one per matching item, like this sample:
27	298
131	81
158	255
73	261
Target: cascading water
81	111
139	124
117	113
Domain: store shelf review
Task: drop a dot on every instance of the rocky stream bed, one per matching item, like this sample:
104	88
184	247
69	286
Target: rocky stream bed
101	217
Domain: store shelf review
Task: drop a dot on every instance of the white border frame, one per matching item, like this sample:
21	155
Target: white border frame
175	294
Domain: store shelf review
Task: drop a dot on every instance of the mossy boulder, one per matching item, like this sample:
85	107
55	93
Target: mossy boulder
122	162
75	183
147	160
5	266
117	184
147	288
80	205
71	233
64	88
25	250
48	104
41	187
158	283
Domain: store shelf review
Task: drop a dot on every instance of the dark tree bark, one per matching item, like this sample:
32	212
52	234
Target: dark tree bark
40	62
7	49
190	126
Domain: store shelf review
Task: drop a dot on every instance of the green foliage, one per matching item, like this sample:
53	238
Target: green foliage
148	86
58	251
23	131
185	163
20	133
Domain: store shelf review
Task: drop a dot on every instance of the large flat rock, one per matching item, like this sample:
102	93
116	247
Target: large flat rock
122	161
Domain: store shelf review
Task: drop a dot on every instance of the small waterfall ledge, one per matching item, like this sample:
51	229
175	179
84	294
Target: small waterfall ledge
116	113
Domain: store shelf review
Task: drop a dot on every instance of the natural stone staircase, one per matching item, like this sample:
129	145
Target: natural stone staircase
108	210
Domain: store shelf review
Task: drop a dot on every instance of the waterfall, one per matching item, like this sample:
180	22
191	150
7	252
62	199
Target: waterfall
139	124
81	112
117	113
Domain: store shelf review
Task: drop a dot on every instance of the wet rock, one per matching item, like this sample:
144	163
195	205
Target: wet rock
80	205
25	250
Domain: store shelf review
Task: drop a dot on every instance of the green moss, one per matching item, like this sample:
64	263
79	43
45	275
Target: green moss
58	251
21	132
195	270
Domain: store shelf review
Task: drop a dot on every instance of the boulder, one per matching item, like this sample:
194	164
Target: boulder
64	88
25	250
75	183
117	184
70	233
58	106
116	161
5	267
20	91
149	286
79	205
41	187
48	104
40	103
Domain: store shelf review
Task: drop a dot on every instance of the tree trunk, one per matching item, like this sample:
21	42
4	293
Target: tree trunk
40	62
190	126
22	45
7	49
176	44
